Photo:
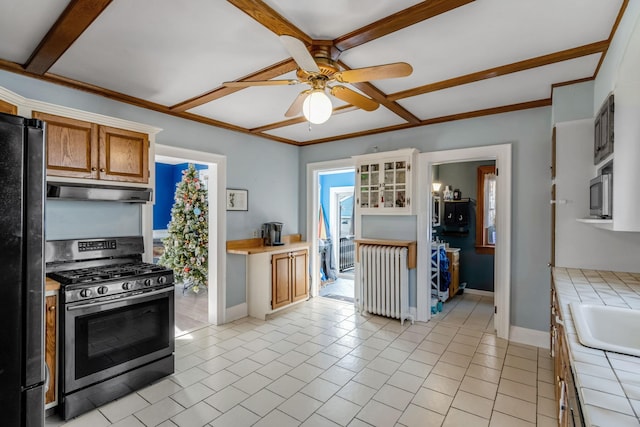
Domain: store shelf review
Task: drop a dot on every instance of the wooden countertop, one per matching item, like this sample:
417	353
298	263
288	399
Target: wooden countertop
51	285
256	246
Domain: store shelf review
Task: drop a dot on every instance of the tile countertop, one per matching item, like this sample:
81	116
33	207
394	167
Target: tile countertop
608	383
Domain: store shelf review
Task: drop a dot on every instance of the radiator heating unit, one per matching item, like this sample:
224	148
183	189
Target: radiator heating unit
384	276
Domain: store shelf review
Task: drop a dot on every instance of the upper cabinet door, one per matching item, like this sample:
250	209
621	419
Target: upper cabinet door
124	155
8	108
72	146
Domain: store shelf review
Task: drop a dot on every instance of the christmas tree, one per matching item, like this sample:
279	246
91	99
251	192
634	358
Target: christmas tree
186	248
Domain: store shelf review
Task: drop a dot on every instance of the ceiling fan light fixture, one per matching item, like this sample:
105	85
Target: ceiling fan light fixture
317	107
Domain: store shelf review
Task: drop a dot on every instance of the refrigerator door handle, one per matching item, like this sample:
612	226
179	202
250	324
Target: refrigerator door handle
34	250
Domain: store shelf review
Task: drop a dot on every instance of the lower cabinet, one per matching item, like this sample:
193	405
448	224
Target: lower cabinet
567	404
50	357
289	278
454	271
275	280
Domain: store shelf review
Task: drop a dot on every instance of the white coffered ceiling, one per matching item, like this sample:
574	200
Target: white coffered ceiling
469	57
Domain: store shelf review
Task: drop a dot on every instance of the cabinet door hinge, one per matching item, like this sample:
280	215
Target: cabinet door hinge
497	172
495	309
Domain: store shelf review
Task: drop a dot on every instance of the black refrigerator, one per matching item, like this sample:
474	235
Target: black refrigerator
22	176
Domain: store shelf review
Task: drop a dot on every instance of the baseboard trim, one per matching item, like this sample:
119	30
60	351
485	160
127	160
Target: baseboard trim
236	312
478	292
529	336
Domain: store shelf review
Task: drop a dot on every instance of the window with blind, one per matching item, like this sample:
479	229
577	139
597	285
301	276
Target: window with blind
486	213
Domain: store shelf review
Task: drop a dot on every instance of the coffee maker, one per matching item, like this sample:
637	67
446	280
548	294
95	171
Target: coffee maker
272	233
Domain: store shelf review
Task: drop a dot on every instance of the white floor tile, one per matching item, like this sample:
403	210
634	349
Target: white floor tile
263	402
286	386
378	414
277	418
339	410
300	406
158	412
236	417
320	389
123	407
196	416
226	398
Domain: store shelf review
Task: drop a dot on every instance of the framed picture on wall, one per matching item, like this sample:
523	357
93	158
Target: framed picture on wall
237	200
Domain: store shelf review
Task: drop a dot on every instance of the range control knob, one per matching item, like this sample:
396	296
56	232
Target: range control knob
85	293
162	280
103	290
147	282
126	286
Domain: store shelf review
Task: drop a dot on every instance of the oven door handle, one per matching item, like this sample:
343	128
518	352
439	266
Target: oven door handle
146	294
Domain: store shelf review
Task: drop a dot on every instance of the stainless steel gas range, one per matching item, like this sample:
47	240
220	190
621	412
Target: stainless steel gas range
116	320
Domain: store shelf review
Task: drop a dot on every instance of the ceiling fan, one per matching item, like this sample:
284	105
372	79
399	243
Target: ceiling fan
321	72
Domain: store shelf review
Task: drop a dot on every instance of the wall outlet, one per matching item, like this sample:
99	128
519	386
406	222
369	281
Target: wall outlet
256	233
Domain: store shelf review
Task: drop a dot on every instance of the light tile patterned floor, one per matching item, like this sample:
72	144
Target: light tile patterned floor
321	364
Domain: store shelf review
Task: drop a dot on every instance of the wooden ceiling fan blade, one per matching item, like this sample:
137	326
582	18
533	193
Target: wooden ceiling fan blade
299	53
354	98
377	72
247	83
296	106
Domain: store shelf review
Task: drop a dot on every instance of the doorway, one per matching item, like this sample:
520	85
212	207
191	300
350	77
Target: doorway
502	260
336	234
463	232
216	167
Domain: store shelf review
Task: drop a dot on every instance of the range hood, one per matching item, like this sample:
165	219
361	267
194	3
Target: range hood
73	191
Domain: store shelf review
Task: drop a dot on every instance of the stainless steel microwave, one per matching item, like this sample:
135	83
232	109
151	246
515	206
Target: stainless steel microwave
601	196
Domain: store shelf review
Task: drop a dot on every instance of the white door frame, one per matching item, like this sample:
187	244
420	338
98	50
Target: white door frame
502	260
217	224
313	207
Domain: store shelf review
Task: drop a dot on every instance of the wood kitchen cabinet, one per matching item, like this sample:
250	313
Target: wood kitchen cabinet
80	149
6	107
51	329
453	254
564	385
289	278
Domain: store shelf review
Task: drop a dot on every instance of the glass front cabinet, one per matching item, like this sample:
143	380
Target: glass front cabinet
383	182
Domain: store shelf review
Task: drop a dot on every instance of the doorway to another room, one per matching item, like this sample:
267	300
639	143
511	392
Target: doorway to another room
463	231
193	310
336	232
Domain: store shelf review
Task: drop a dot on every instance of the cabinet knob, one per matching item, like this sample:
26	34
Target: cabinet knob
94	169
101	169
52	308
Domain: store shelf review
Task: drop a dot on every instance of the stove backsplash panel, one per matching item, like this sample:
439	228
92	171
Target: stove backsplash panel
65	219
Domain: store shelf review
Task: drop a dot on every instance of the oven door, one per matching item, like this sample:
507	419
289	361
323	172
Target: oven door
104	339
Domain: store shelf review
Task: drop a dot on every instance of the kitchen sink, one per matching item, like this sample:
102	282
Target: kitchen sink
607	328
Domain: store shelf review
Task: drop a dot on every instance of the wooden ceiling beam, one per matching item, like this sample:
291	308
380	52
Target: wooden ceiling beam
270	19
268	73
75	19
397	21
623	8
552	58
